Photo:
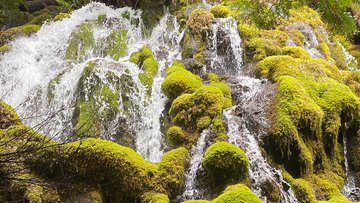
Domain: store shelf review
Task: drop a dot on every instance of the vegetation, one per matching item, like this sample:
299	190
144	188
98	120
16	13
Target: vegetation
308	50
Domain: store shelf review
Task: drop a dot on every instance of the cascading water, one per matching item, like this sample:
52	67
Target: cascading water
196	156
349	189
310	39
25	80
49	81
165	43
245	130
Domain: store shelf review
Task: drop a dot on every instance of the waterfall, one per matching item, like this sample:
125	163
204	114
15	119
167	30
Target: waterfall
349	189
224	47
165	43
245	130
310	39
196	156
46	83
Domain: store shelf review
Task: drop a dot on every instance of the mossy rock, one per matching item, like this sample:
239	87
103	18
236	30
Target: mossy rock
233	194
8	116
187	109
119	170
80	41
258	49
220	11
117	46
150	197
296	52
307	113
200	21
226	163
5	48
11	33
179	81
177	135
146	61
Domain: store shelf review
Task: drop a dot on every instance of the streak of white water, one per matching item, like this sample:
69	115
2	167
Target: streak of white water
196	155
225	47
164	42
349	189
310	39
350	60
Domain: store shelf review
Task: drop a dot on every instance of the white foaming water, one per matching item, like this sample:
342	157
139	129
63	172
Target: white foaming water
35	62
310	40
164	42
196	156
224	47
350	60
349	189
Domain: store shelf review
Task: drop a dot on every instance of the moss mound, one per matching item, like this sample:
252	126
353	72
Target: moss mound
145	59
220	11
226	162
200	21
179	81
119	170
308	109
233	194
8	116
187	109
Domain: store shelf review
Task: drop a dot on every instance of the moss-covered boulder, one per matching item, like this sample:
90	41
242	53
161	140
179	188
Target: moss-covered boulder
122	174
151	197
233	194
146	61
80	41
8	116
200	21
179	81
220	11
226	163
308	109
188	109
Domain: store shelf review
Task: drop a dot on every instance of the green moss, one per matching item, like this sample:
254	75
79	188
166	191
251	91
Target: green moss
179	81
199	21
8	116
188	108
220	11
203	123
9	34
89	116
61	16
177	135
51	87
96	197
218	129
296	52
80	41
233	194
119	170
275	37
5	48
150	197
258	49
298	37
307	113
117	46
324	49
248	32
305	14
172	169
225	90
226	163
145	59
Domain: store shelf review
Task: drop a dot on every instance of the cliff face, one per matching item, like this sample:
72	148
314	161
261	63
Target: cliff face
233	101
